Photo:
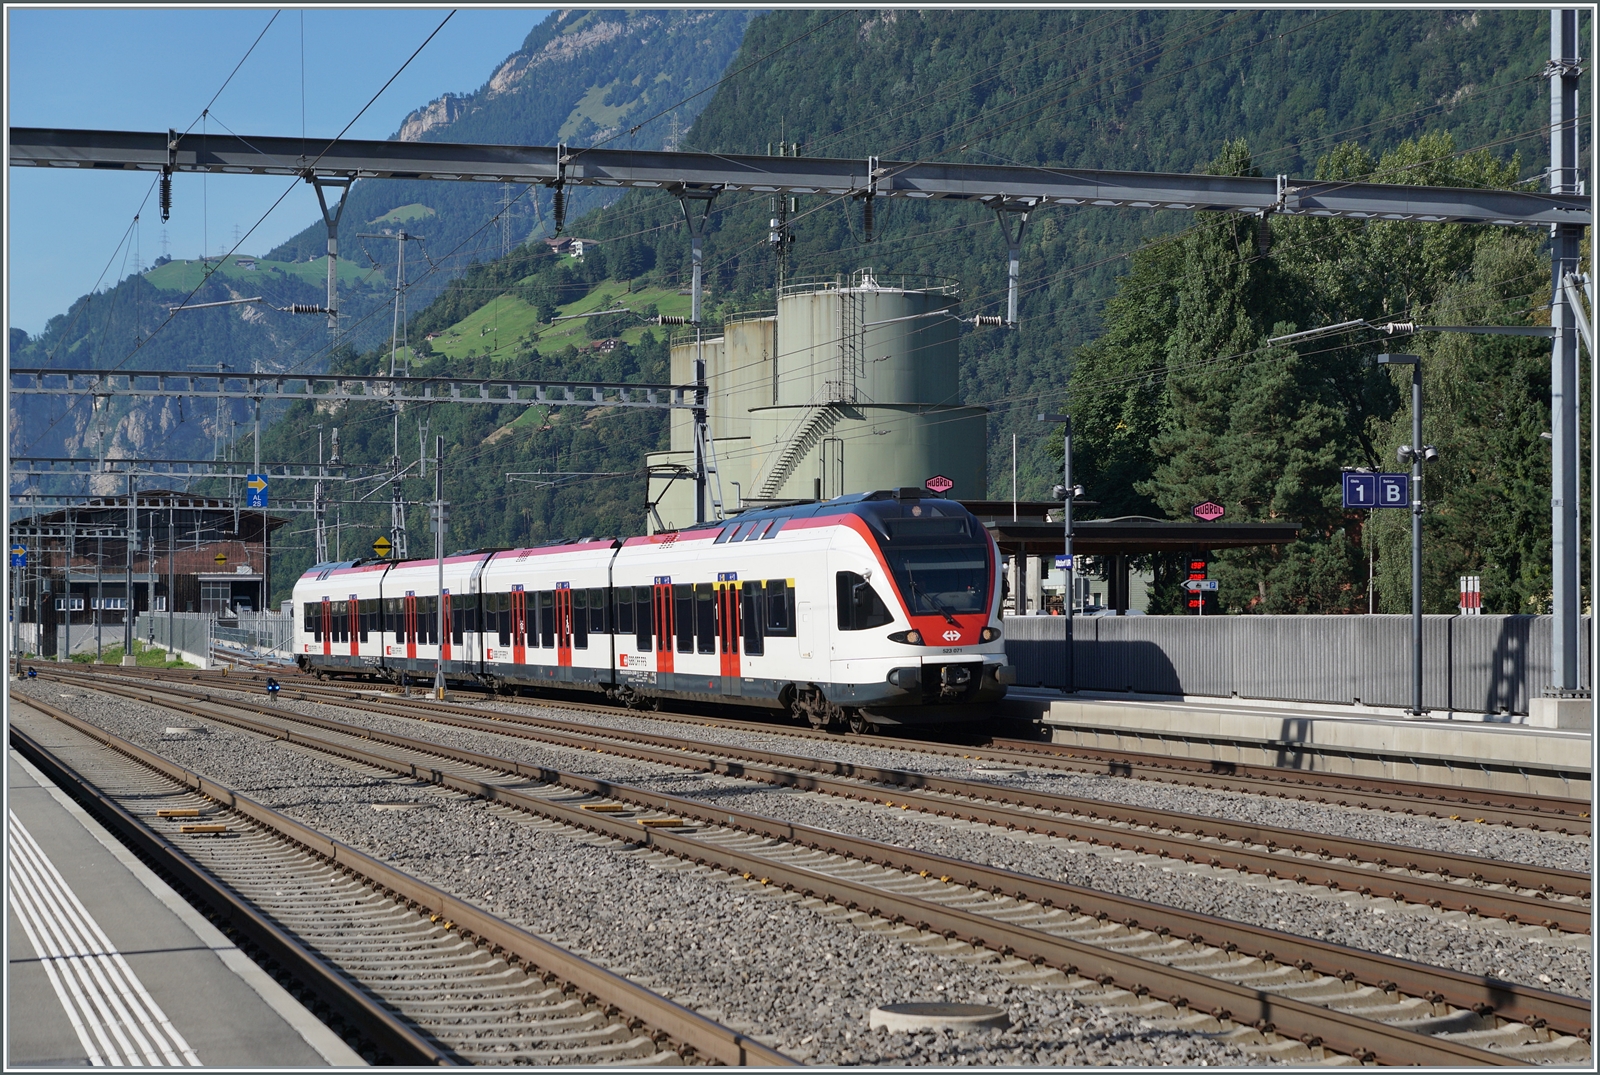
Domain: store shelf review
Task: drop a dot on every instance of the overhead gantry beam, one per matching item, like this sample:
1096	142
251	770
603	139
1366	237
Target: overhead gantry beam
995	184
34	466
341	388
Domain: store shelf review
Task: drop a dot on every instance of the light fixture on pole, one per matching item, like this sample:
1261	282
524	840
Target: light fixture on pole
440	519
1416	453
1066	490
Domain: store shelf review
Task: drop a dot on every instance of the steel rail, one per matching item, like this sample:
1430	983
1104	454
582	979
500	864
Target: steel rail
1515	809
973	800
1405	796
706	1037
388	1033
1358	1036
669	751
842	779
1479	994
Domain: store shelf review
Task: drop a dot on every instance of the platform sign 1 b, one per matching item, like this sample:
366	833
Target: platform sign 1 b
19	556
1366	490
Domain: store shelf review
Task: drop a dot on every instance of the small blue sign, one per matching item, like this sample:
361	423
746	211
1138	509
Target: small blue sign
1064	561
1394	490
1360	490
255	486
1366	490
19	556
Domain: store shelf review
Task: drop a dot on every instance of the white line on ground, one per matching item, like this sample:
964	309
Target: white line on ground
64	933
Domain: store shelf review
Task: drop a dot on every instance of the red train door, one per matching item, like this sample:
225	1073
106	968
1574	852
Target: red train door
355	626
327	627
728	628
564	625
444	639
411	624
519	625
661	602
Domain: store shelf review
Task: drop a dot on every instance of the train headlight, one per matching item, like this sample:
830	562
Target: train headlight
910	638
990	634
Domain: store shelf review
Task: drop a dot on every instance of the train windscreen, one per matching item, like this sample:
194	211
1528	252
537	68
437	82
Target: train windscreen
940	564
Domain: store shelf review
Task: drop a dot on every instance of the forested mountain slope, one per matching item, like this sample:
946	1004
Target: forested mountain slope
577	76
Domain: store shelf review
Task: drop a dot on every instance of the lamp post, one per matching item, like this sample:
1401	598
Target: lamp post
1415	453
438	547
1067	491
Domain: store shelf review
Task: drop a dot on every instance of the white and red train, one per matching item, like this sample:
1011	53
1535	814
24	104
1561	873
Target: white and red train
873	608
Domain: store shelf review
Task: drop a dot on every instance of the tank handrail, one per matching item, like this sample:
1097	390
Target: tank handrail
938	285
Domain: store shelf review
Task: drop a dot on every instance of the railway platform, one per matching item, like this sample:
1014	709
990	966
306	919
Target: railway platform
1462	751
107	965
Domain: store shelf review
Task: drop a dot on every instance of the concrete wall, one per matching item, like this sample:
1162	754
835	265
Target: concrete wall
1472	664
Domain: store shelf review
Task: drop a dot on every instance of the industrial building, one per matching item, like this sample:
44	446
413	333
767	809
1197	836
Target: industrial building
852	384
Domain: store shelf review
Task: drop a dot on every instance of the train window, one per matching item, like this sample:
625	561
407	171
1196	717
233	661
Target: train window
364	617
396	612
705	616
683	602
463	616
623	595
780	608
427	621
496	612
530	620
753	611
724	534
580	619
757	529
599	621
316	628
644	618
305	615
772	531
547	619
860	607
341	621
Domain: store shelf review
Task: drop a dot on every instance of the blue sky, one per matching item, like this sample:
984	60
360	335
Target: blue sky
151	69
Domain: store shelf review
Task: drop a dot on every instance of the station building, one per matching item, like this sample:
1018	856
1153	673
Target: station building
191	554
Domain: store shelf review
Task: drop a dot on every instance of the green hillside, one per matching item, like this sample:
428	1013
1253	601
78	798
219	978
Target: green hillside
507	325
187	275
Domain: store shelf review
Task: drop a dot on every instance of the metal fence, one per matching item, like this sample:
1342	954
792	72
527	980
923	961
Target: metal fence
1472	664
190	633
262	634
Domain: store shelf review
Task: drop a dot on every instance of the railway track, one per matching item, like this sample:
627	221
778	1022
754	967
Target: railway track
1515	892
1165	962
1467	805
421	976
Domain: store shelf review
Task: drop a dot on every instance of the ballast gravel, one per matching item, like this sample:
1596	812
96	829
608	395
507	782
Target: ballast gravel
758	962
1549	849
1485	946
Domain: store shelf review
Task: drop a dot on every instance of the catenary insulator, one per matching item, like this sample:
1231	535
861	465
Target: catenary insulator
559	197
166	196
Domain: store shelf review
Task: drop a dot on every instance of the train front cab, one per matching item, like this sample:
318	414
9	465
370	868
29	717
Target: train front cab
915	636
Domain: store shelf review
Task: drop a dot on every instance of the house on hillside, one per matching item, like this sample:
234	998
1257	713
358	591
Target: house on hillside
569	245
248	264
